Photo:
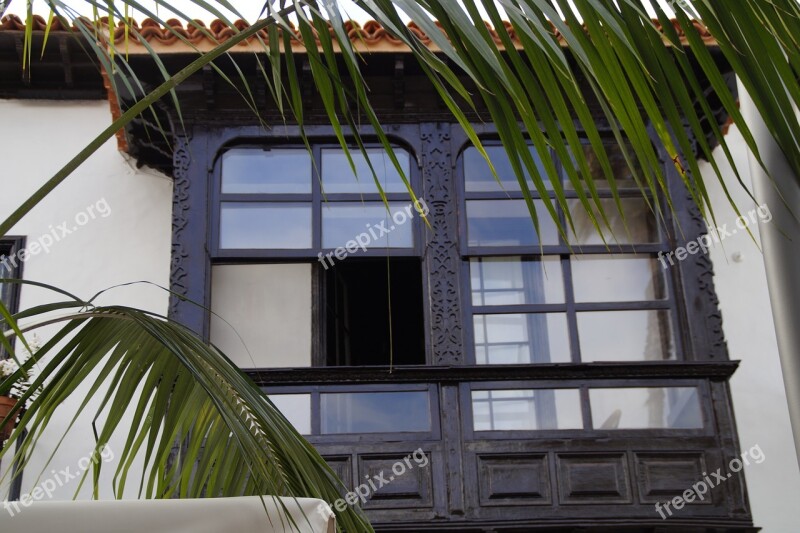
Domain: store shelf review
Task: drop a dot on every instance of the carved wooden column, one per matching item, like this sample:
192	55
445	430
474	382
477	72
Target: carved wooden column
704	339
443	271
442	261
189	267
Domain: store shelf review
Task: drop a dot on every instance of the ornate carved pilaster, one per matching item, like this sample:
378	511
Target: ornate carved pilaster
699	276
180	219
704	336
189	264
441	250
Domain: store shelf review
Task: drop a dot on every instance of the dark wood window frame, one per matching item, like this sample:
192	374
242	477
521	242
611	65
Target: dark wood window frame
314	199
317	437
11	246
453	491
704	397
10	294
670	303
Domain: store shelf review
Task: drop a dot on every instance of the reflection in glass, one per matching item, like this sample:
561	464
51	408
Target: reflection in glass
507	223
639	226
375	412
640	335
338	177
296	408
521	338
266	170
623	176
265	225
520	410
368	222
479	178
617	278
646	408
515	281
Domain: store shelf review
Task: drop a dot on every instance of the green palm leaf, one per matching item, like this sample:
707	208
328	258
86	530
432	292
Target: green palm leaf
156	383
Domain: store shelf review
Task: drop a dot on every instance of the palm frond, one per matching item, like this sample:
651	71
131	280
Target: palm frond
154	383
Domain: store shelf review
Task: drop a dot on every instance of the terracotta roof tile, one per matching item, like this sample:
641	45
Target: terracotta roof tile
371	36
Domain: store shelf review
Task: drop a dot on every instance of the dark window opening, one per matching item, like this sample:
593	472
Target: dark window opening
358	296
10	268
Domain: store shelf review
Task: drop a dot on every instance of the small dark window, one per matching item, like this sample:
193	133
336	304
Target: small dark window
360	330
10	268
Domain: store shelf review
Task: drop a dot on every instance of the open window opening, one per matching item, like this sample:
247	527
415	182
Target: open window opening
373	313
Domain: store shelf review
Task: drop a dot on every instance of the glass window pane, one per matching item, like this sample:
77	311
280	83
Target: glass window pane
625	335
296	408
520	410
515	281
521	338
6	271
623	176
368	223
338	177
507	223
617	278
265	225
479	178
646	408
375	412
268	170
640	221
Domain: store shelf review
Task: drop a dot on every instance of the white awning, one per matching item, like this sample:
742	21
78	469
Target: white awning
211	515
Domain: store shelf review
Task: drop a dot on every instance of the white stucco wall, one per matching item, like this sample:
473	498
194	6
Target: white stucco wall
759	397
131	243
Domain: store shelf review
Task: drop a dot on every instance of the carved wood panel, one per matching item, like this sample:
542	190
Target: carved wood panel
190	262
441	247
180	219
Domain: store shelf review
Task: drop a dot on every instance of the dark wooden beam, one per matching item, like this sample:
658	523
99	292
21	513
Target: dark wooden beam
716	371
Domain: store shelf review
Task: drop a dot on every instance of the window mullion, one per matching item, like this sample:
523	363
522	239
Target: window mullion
572	317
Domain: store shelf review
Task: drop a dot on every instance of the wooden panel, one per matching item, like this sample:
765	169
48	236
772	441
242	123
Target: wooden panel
662	476
513	480
343	466
587	479
398	481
